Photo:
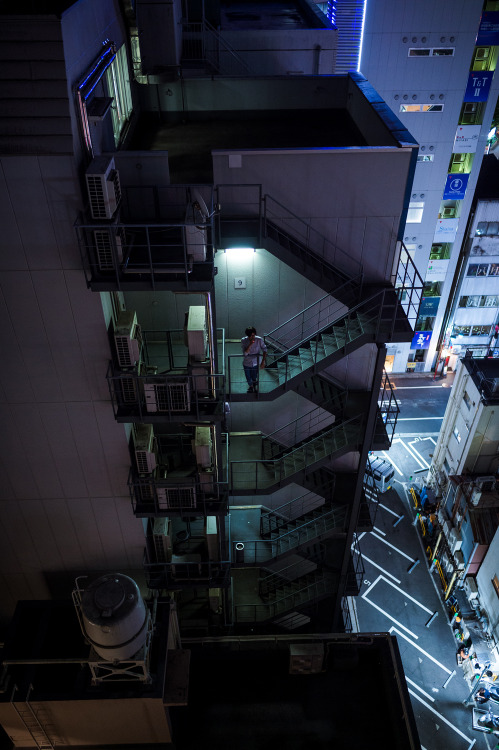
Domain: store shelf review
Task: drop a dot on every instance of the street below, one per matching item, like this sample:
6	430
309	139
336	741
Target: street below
400	595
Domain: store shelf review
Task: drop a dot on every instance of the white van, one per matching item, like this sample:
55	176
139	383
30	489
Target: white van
382	471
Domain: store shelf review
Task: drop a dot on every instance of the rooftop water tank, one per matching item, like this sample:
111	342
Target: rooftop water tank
114	617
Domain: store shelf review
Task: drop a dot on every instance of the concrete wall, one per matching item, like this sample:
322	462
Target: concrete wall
354	197
486	591
93	722
281	52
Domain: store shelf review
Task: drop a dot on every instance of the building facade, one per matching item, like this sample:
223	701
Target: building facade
434	66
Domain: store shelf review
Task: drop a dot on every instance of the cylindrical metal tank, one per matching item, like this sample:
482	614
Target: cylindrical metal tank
114	616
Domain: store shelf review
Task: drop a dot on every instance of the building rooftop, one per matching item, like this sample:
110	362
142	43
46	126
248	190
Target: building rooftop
269	15
485	374
250	693
190	143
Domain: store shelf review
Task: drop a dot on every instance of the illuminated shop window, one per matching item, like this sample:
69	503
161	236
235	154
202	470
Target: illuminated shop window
421	107
415	212
477	269
431	51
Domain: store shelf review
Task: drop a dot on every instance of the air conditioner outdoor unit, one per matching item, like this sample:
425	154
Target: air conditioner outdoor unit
487	483
449	212
306	658
455	540
446	528
470	113
202	447
103	187
163	397
197	339
482	53
180	498
470	588
459	558
476	495
107	241
127	339
162	540
145	454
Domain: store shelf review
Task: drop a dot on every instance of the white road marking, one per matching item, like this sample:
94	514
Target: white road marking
392	546
387	615
414	684
392	462
432	658
415	387
423	459
388	509
418	419
379	531
410	597
415	454
442	718
371	562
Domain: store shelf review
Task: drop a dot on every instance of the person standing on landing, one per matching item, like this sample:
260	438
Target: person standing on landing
255	353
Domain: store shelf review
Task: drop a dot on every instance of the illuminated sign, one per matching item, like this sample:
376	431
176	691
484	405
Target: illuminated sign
478	86
421	340
429	306
466	139
446	230
488	33
455	187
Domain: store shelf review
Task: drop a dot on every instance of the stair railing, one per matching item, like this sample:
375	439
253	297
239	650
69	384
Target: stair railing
316	243
201	41
292	509
260	475
259	612
301	428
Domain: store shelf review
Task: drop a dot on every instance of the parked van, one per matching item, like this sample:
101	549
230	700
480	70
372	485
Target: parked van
382	471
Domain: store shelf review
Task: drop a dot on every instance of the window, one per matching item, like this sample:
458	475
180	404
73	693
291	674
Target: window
446	466
494	269
495	584
461	331
440	251
118	85
477	300
457	435
477	269
443	51
471	113
430	51
421	107
425	324
425	157
480	330
467	400
415	212
432	289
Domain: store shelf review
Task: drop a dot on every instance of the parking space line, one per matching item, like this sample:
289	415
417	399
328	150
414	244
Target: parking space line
387	615
414	684
392	463
392	546
440	716
408	596
423	459
432	658
388	509
420	461
371	562
375	528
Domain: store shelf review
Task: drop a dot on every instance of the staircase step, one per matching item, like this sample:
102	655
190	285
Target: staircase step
306	357
330	343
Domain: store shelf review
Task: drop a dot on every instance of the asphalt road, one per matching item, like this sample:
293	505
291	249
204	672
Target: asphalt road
400	595
422	402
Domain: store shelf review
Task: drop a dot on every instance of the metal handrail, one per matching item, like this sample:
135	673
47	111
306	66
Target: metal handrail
305	419
278	465
345	261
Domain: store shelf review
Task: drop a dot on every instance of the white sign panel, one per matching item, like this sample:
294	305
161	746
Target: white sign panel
437	270
466	139
446	230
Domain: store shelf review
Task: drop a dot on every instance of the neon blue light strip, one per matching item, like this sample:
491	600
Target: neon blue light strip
362	35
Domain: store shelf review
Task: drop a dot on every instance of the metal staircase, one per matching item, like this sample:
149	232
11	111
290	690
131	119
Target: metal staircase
317	337
280	596
32	722
258	476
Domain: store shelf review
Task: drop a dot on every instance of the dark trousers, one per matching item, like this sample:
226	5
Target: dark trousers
251	375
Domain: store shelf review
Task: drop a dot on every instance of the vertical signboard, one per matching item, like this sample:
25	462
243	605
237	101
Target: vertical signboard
478	87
